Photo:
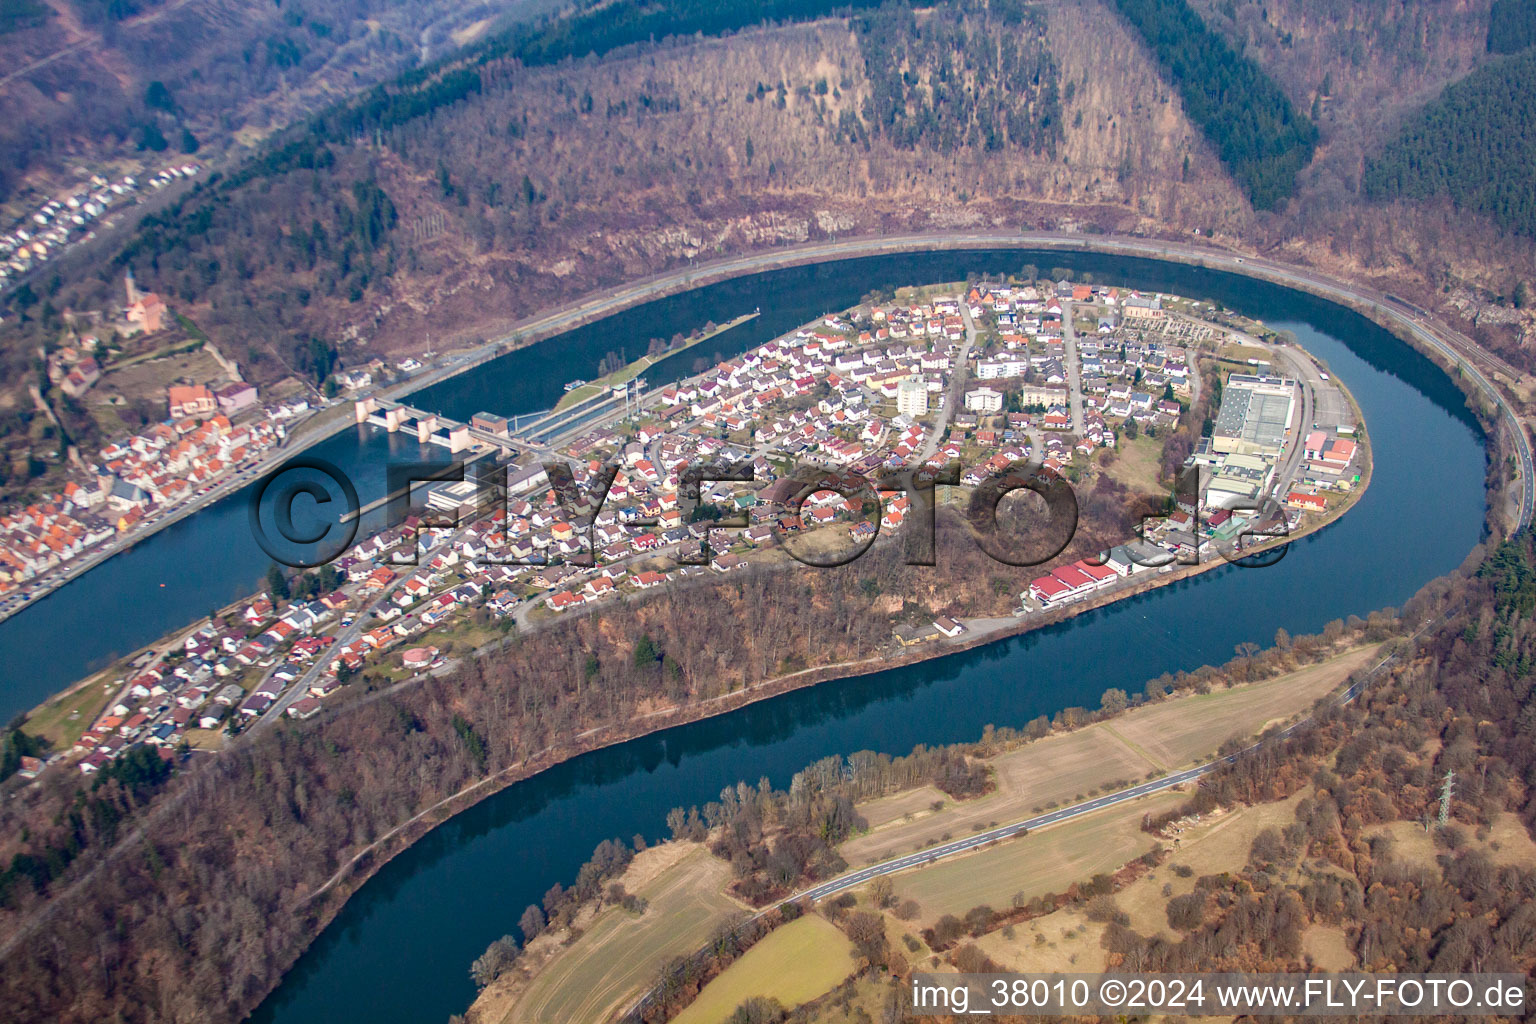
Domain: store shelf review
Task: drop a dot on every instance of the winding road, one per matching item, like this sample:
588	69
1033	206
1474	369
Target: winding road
1463	355
928	856
923	858
1074	367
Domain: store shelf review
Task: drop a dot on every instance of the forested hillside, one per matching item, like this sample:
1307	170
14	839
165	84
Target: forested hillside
1464	705
513	184
1261	138
528	169
1511	26
948	82
549	160
88	82
1354	870
1366	72
423	91
1476	145
1358	871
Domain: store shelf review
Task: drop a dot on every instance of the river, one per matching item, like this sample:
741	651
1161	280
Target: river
401	948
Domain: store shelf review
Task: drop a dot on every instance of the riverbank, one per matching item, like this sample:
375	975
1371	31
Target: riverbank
646	775
1061	769
79	567
1425	333
327	900
631	789
980	632
625	374
337	416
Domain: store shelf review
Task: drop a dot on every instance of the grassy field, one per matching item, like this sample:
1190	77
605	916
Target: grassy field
1240	353
580	394
619	955
109	419
868	994
824	544
903	806
1178	732
147	374
1068	941
1063	941
793	964
205	739
1042	862
1068	766
1063	768
1219	843
1328	947
1051	771
1508	842
639	366
468	634
1136	464
63	719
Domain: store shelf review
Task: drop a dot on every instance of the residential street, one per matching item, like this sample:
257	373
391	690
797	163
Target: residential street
956	393
1074	367
1305	372
361	622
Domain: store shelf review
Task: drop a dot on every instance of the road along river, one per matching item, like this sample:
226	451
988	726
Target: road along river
400	949
206	560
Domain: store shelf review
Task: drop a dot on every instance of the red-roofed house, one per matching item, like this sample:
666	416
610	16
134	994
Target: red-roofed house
1306	502
561	601
1074	578
190	400
1100	574
1049	590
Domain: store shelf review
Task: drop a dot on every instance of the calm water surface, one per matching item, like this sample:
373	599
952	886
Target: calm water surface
400	950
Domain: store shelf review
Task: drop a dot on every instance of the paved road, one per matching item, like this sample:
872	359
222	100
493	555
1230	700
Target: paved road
362	620
932	854
1459	350
959	371
1307	380
1074	367
922	858
935	853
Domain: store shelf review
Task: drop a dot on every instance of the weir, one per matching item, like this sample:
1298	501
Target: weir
427	427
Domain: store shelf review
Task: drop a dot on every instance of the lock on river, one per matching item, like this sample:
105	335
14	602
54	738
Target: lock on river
400	950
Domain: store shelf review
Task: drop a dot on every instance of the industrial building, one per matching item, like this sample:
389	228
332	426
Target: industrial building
1256	415
1238	480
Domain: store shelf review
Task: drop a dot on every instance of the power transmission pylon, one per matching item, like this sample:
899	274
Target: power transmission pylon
1446	789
